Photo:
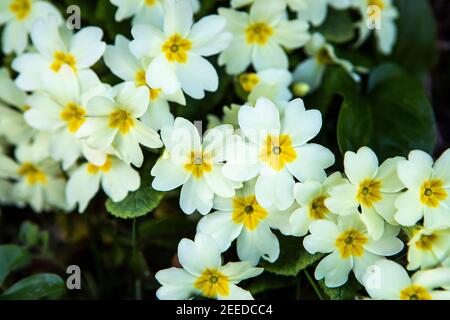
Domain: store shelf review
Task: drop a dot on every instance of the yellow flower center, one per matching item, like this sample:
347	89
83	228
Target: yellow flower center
379	3
139	80
415	292
247	211
198	163
350	243
176	48
32	174
369	192
277	151
212	283
318	210
324	57
122	120
426	242
432	193
105	168
74	116
20	8
61	58
25	108
248	81
258	33
150	3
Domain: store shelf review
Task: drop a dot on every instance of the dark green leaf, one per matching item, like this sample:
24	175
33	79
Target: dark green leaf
346	292
12	257
136	204
393	118
293	258
35	287
415	49
268	281
338	26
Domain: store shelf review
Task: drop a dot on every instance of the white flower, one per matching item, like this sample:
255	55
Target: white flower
259	37
55	48
177	54
18	17
428	247
321	54
144	11
387	280
315	11
60	108
114	123
12	124
203	273
350	248
311	196
244	219
128	68
373	189
380	12
277	150
270	83
37	179
194	164
428	190
115	177
5	190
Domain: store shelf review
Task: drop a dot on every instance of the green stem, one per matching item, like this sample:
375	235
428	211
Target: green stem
313	284
137	282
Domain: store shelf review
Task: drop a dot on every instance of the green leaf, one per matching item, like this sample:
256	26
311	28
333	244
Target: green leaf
136	204
415	49
268	281
35	287
393	118
346	292
12	257
293	258
338	27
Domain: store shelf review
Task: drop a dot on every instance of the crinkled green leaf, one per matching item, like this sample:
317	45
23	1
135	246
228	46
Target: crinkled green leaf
347	291
35	287
338	27
12	257
136	204
267	281
293	258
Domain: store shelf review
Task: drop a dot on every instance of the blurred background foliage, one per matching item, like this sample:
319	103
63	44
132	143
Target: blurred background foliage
403	103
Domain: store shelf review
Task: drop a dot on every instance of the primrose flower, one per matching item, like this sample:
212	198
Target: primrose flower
349	246
315	11
259	37
114	123
387	280
243	218
269	83
18	17
128	68
194	164
382	15
116	178
311	196
370	187
428	247
177	53
277	150
321	54
60	108
36	179
12	124
55	48
428	190
203	273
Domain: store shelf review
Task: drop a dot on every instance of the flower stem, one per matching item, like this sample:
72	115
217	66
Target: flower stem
313	284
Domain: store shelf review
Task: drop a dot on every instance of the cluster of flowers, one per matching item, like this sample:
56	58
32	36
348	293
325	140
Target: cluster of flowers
256	167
